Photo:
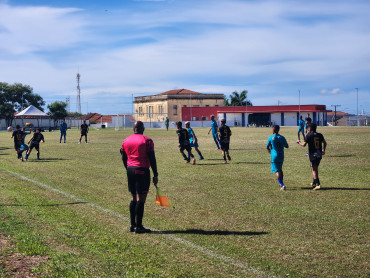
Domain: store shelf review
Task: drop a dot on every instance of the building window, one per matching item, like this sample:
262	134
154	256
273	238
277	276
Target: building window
207	105
195	105
140	111
194	118
160	109
175	109
216	105
150	111
204	118
184	106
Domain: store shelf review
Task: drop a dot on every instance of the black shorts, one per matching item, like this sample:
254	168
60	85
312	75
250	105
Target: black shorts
35	145
17	145
314	162
225	143
138	180
185	147
84	134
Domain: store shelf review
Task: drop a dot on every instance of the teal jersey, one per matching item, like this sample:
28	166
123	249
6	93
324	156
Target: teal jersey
192	136
63	127
276	143
214	127
301	124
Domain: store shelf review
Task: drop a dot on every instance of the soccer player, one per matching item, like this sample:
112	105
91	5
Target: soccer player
63	131
275	146
225	133
18	137
193	140
24	146
301	125
316	150
214	128
35	143
84	130
167	123
138	156
184	142
307	121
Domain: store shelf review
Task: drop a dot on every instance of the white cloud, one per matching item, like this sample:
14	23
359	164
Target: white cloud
335	91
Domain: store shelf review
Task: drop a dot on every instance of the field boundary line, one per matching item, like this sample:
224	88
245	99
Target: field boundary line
225	259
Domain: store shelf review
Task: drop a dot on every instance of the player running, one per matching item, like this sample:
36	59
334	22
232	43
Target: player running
63	131
224	133
18	138
193	141
24	146
275	146
138	156
35	143
184	142
214	128
316	150
84	130
301	125
307	121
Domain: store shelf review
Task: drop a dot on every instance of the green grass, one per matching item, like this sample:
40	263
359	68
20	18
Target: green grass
235	210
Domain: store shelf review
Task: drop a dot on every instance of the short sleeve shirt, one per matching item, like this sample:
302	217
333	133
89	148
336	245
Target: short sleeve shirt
37	137
183	136
214	127
314	141
277	143
18	136
137	147
225	133
84	128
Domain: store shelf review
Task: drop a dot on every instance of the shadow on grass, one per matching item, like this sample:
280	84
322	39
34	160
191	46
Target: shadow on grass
341	155
209	164
4	148
46	159
329	188
45	205
215	232
4	154
249	162
213	159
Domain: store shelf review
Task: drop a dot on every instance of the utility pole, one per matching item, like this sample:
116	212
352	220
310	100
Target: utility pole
335	113
78	104
299	102
357	100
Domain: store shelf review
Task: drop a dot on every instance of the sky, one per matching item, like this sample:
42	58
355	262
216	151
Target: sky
282	52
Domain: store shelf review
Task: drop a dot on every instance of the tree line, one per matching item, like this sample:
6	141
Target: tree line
16	97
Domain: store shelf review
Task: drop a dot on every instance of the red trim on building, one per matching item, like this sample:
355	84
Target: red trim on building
200	112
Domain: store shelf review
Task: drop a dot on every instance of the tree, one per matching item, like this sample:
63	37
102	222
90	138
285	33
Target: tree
15	97
237	99
57	110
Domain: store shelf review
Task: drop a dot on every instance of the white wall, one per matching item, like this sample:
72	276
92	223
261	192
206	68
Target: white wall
290	119
276	118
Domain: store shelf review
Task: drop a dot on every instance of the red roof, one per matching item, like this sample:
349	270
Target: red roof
339	113
180	92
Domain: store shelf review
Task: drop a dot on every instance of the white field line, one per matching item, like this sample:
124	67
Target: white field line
187	243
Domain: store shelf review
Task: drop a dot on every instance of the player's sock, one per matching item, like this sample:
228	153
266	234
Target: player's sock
280	181
185	157
132	212
191	155
139	211
200	155
38	156
317	181
188	156
224	156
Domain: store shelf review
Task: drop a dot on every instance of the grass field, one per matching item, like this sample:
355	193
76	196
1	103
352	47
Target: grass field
229	220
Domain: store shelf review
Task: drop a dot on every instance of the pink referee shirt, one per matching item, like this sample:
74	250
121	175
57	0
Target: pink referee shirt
136	146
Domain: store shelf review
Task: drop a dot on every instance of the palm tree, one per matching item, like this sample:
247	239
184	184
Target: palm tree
237	99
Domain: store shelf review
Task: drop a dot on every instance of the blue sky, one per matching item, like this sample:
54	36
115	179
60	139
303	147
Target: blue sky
139	47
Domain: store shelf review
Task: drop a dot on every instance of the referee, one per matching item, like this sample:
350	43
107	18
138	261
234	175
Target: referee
138	156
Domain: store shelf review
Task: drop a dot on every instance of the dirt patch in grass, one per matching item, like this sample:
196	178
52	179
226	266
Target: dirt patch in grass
14	264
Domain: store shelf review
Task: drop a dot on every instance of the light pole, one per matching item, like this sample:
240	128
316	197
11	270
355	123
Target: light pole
357	100
299	102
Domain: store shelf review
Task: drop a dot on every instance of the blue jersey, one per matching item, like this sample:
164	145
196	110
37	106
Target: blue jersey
277	143
214	127
192	136
301	125
63	127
